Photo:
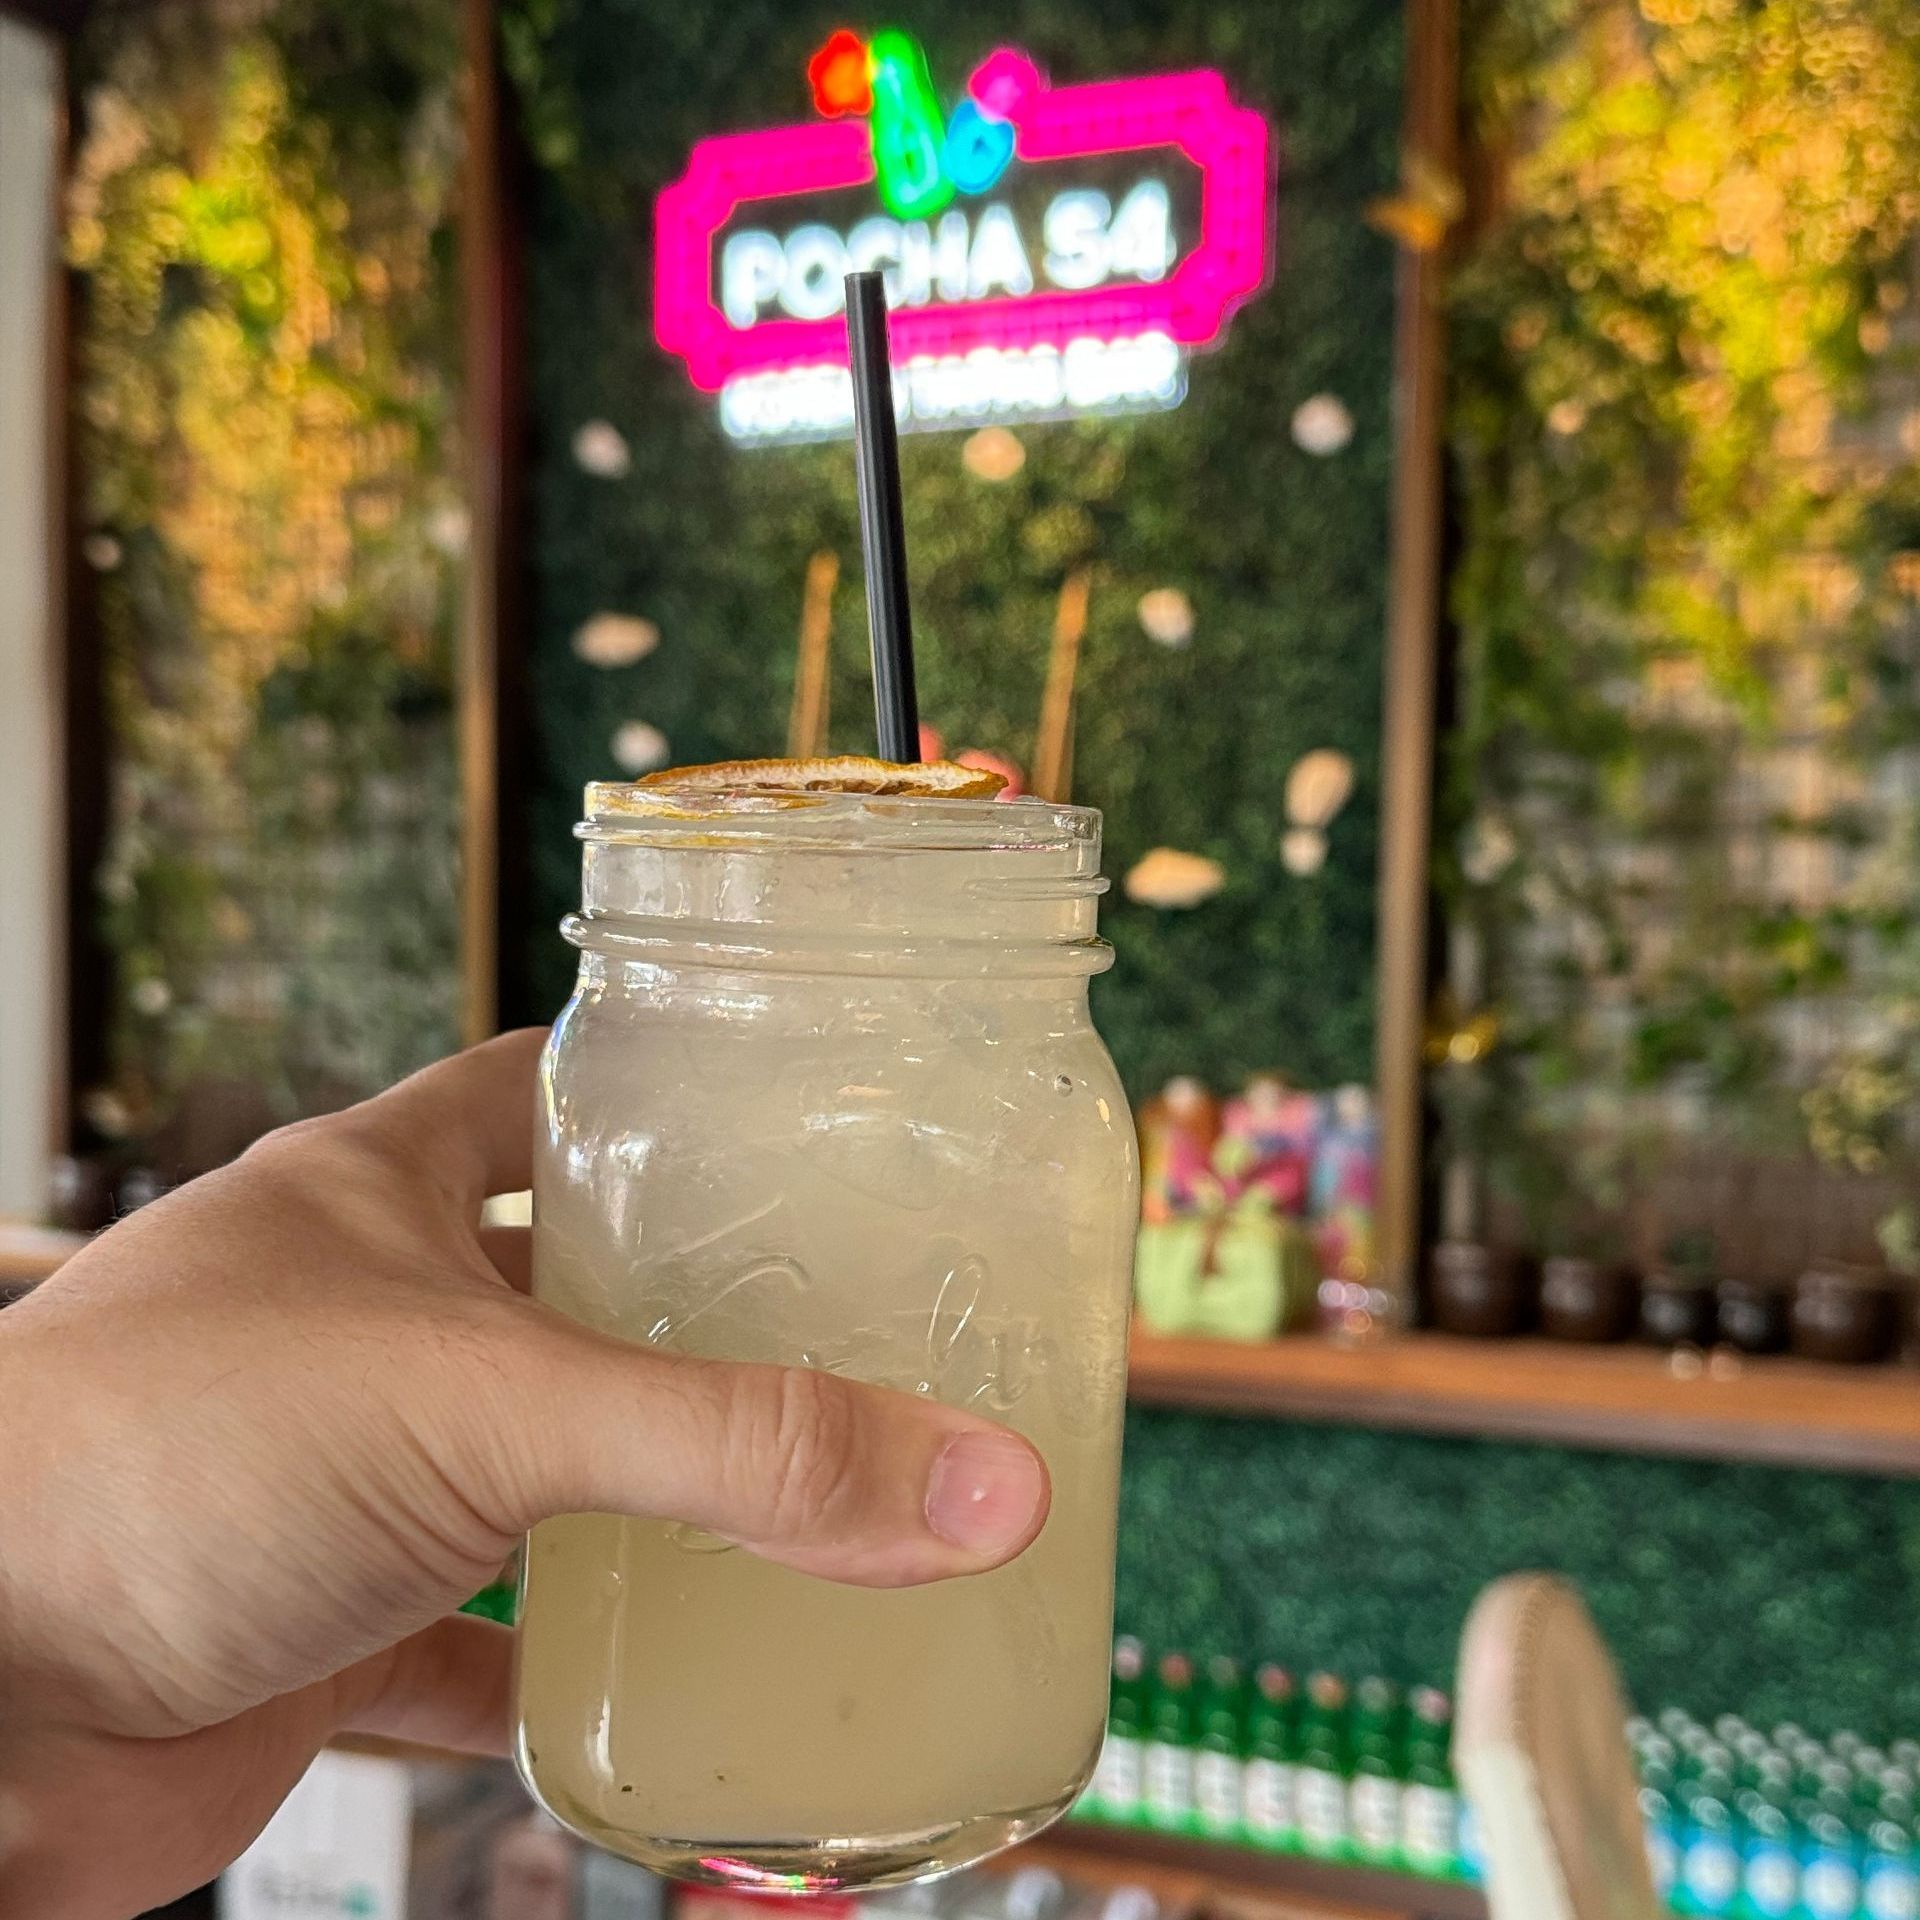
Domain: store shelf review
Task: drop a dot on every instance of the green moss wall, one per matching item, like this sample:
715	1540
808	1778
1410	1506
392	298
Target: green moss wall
1778	1594
1282	553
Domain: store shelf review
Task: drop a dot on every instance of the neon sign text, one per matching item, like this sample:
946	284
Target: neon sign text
740	293
1084	241
954	390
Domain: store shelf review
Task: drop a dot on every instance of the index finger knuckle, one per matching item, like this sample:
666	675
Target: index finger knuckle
802	1444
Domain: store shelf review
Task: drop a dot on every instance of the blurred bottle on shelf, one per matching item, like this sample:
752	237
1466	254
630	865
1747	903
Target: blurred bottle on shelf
1117	1903
1741	1822
611	1888
917	1900
1659	1810
1709	1880
530	1871
1889	1871
80	1191
1829	1868
1268	1808
1770	1867
1324	1769
1119	1781
1171	1727
140	1186
1430	1802
1374	1798
1217	1762
1028	1893
1473	1856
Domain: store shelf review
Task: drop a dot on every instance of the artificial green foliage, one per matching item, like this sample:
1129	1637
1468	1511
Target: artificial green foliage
1721	1588
1681	812
266	396
1283	554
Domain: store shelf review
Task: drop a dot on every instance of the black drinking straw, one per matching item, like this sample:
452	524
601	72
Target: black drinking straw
883	534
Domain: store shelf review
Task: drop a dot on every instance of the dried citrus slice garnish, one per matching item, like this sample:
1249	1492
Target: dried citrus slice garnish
837	773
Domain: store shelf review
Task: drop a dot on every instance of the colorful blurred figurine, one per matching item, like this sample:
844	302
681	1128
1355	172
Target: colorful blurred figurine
1222	1272
1267	1142
1217	1254
1342	1192
1243	1210
1177	1133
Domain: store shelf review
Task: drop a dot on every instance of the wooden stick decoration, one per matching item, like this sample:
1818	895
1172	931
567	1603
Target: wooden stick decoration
1053	747
807	723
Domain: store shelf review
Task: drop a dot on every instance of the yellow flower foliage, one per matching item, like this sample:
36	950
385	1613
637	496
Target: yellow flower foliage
1685	363
276	415
266	398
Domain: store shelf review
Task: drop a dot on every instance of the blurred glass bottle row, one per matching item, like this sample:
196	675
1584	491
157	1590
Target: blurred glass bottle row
1759	1825
1777	1825
1355	1774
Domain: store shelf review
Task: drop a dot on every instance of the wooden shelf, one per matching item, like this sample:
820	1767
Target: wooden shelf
1625	1398
1211	1868
30	1253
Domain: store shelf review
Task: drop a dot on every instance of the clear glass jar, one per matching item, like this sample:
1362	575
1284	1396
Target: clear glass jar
828	1094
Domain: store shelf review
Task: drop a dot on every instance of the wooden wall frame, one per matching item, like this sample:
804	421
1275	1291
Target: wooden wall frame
492	726
489	709
492	633
1431	146
483	334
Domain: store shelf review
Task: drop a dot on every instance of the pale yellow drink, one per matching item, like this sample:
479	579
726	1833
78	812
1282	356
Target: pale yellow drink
828	1095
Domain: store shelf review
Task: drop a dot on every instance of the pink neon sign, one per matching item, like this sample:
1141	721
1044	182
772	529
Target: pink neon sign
1189	114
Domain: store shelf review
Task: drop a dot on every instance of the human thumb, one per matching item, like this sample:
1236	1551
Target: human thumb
851	1482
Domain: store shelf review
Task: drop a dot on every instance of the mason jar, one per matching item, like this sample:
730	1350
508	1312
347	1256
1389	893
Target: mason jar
827	1094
